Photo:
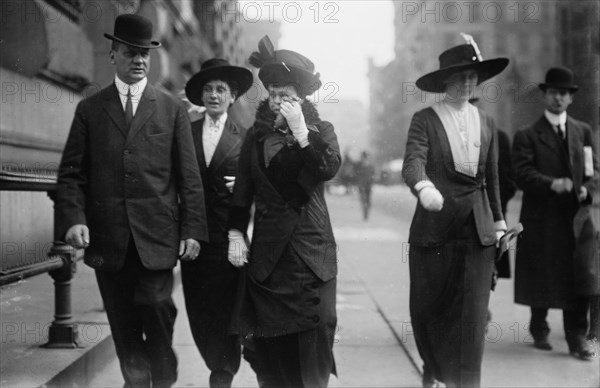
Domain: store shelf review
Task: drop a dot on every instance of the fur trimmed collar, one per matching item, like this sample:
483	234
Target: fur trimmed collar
265	118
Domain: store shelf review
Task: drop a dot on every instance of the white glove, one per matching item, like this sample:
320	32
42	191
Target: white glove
238	251
499	234
291	110
431	199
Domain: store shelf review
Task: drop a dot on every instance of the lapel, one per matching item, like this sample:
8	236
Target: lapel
227	143
112	105
442	136
145	110
486	138
550	139
574	142
199	145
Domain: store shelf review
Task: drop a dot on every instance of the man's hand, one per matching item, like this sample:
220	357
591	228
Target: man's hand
562	185
291	110
78	236
431	199
189	249
230	182
238	251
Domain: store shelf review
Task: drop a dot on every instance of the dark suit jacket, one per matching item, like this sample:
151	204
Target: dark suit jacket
544	265
429	157
224	162
142	182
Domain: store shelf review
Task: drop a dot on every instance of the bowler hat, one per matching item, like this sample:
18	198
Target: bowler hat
218	69
560	78
457	59
134	30
284	67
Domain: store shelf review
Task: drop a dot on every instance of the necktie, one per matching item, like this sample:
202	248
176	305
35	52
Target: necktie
560	131
128	110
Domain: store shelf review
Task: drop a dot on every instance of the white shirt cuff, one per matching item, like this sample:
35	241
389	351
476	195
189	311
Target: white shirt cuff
500	225
422	184
234	233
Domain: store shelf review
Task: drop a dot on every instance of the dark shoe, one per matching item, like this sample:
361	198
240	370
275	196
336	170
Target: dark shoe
542	343
583	354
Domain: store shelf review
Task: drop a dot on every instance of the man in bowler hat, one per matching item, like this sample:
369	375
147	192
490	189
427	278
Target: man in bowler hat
556	167
129	192
210	283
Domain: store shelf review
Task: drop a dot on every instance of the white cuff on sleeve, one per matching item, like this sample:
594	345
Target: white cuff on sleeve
234	233
422	184
500	225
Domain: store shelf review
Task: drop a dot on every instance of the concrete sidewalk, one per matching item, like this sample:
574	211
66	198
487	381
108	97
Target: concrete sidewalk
510	360
374	342
366	350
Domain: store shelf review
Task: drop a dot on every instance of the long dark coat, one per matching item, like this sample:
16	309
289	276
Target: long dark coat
142	181
291	275
544	261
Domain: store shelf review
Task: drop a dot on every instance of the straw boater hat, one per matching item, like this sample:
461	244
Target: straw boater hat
134	30
560	78
457	59
284	67
238	78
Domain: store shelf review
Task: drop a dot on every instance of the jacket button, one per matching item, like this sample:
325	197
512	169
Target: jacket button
126	152
316	300
315	318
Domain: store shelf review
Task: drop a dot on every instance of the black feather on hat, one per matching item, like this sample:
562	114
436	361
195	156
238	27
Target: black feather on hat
284	67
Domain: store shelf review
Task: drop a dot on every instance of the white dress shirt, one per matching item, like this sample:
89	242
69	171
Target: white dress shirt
463	128
558	122
211	134
136	92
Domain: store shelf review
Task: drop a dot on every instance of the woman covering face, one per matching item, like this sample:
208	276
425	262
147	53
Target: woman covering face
288	299
451	165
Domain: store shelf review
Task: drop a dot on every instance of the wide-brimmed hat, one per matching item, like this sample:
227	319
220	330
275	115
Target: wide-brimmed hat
560	78
237	78
457	59
284	67
134	30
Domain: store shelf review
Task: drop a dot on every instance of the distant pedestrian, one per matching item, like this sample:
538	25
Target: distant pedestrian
451	165
555	165
364	181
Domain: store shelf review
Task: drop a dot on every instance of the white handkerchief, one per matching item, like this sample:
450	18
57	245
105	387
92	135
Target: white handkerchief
589	161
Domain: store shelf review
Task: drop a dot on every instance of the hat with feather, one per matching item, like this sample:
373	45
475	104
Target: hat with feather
284	67
456	59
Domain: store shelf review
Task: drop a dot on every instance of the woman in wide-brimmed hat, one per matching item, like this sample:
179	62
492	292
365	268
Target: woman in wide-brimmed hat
288	302
451	165
210	282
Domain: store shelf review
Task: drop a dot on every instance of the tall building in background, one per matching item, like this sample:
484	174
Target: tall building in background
534	35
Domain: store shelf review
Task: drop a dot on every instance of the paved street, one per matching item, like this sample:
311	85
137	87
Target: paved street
374	343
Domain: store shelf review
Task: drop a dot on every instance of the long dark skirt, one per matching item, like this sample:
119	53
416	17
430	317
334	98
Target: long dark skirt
209	287
291	318
449	295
